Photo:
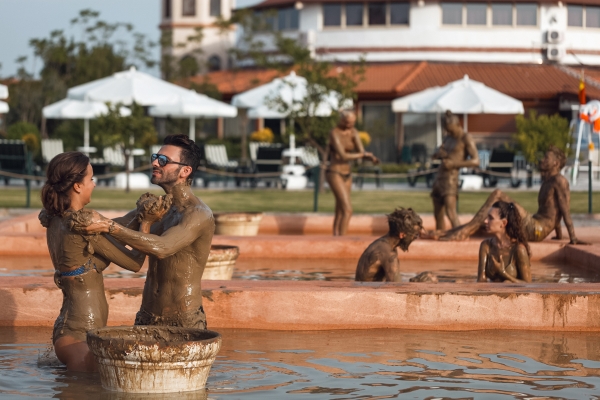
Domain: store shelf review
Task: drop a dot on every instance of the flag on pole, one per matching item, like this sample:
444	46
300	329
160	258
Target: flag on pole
582	99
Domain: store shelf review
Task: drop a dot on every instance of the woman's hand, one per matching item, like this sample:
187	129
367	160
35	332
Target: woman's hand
151	208
87	222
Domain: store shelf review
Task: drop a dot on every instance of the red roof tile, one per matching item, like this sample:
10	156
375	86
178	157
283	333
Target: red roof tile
389	80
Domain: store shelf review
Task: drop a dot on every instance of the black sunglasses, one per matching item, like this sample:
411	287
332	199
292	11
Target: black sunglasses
164	160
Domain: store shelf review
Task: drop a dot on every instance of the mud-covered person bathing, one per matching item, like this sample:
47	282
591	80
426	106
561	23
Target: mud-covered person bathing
379	262
78	259
505	256
178	246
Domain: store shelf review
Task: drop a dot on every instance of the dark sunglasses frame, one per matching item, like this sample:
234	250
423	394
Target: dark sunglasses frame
164	160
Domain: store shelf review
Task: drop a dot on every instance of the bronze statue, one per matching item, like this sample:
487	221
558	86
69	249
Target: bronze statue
78	259
553	205
505	256
178	246
344	146
379	262
457	151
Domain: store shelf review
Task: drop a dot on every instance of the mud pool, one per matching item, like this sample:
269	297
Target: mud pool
325	269
346	365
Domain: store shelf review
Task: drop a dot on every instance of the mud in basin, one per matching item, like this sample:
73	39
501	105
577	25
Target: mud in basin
153	359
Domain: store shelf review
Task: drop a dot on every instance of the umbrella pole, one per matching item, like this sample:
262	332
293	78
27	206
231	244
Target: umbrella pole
86	136
192	132
577	150
438	129
465	123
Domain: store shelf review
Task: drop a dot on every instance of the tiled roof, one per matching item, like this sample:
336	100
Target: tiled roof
389	80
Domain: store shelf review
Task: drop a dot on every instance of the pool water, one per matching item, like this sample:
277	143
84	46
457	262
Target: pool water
341	269
369	364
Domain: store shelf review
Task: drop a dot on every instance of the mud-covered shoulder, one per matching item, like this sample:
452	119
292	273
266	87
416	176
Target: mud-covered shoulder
45	218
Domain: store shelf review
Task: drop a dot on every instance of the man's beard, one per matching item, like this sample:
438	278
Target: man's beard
165	178
405	242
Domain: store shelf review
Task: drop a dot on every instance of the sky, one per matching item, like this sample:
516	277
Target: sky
21	20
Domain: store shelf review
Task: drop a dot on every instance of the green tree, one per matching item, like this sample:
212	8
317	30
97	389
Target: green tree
536	133
131	132
267	48
102	49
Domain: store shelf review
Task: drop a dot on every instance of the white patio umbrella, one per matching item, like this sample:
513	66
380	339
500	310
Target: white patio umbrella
193	105
463	96
3	107
129	86
3	91
291	88
76	109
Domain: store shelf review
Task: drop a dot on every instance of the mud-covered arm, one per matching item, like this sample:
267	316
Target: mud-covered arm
114	252
472	161
484	252
523	264
391	267
129	220
341	152
563	200
172	240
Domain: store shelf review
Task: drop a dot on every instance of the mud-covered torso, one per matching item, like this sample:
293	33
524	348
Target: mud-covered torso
173	283
509	258
370	266
84	304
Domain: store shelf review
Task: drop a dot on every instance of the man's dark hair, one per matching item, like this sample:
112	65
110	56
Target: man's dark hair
559	154
190	152
404	220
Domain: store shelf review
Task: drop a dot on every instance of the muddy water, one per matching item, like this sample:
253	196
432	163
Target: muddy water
347	365
322	269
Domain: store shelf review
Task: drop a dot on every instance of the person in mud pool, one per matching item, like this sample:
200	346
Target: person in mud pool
178	246
553	206
79	259
379	262
505	256
457	151
344	146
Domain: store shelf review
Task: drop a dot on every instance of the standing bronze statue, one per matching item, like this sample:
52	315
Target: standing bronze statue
344	146
553	205
457	151
178	246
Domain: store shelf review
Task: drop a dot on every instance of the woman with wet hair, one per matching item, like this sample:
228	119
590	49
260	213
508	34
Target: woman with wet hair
505	256
344	146
78	259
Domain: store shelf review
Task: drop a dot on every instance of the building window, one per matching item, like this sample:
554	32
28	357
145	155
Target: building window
287	19
354	14
476	14
502	14
575	15
167	9
215	8
377	13
214	63
526	14
188	8
332	14
452	13
399	13
592	17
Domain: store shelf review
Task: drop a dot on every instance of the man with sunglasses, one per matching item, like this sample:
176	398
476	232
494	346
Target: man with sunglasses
178	245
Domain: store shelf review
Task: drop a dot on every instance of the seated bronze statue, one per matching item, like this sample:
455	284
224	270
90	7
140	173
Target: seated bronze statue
553	206
379	262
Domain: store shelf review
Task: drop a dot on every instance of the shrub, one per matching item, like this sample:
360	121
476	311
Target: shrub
27	132
262	135
536	133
